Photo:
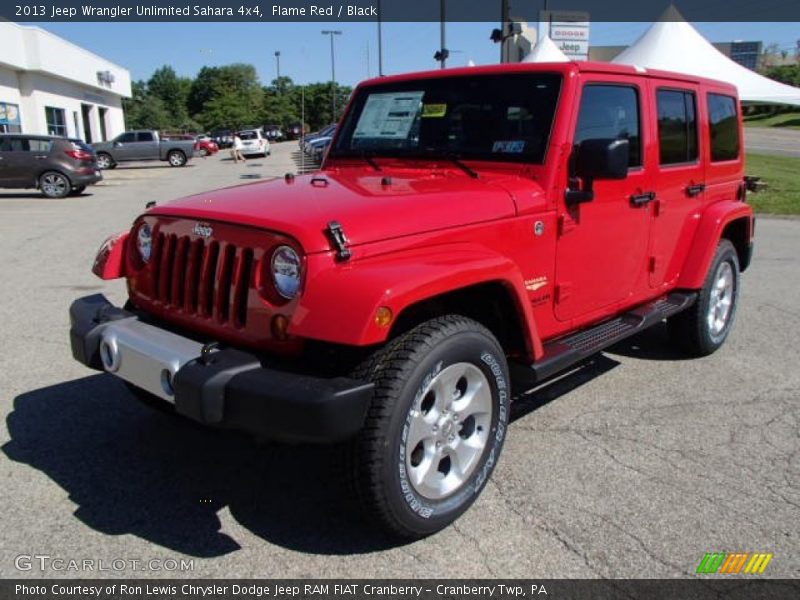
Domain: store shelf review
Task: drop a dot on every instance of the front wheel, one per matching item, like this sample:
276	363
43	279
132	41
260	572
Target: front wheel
54	185
436	426
703	328
104	161
176	158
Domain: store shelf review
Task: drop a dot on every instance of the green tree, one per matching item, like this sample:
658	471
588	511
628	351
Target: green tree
145	111
232	88
173	92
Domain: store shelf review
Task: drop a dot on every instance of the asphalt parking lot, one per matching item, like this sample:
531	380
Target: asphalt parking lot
633	466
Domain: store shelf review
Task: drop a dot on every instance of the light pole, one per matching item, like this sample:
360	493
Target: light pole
278	62
332	33
380	42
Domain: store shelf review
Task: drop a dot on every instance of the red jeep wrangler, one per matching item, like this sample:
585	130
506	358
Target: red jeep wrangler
468	227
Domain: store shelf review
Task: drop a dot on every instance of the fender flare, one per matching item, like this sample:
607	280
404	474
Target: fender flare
712	224
340	301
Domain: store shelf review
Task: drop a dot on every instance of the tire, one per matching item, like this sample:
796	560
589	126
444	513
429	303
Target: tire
704	327
104	161
77	190
53	184
176	158
412	490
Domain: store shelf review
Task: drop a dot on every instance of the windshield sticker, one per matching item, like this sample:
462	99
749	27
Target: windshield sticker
431	111
509	147
388	116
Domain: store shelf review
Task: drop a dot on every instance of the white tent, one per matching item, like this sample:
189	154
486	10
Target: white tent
545	50
672	44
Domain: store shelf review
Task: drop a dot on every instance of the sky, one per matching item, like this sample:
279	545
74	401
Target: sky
305	52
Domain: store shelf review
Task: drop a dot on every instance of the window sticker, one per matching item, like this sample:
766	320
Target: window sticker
430	111
509	147
388	116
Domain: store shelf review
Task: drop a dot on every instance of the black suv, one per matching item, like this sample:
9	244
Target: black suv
57	166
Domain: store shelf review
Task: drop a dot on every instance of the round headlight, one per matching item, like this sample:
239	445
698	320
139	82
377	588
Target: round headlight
286	271
144	242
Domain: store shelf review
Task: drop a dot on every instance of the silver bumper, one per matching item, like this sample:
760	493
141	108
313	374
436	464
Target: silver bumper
146	356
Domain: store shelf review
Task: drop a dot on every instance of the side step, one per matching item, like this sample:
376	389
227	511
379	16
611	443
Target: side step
566	351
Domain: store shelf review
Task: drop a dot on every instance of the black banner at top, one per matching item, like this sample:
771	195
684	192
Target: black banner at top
278	11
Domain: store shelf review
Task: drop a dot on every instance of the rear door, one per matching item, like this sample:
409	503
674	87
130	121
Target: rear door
602	243
19	164
679	175
146	146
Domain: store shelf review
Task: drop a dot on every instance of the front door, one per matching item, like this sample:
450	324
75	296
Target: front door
603	243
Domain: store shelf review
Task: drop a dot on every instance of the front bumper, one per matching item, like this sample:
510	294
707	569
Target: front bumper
225	388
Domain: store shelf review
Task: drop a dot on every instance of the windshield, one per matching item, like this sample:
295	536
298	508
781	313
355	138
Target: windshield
486	117
248	135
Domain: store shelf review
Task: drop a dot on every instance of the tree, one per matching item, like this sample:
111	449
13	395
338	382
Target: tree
234	88
172	91
145	111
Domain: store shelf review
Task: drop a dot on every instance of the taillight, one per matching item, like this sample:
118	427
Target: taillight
79	154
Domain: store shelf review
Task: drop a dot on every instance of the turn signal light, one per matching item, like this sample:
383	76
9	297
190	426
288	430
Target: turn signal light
383	316
280	326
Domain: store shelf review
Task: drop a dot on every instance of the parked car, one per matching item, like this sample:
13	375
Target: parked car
327	131
206	146
294	131
471	233
56	166
222	137
273	133
254	142
143	145
318	147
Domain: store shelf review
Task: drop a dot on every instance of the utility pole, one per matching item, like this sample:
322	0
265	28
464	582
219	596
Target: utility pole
278	62
380	42
441	33
332	33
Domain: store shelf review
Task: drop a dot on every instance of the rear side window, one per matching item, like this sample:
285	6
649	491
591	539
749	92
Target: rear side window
19	144
611	112
723	127
144	136
677	127
39	145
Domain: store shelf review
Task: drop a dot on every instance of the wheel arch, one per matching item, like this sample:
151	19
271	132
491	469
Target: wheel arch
44	172
730	220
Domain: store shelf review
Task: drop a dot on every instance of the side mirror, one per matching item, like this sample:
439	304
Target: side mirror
117	144
596	159
602	159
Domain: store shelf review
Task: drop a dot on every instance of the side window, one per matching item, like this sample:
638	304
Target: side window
723	127
144	136
677	127
126	138
39	145
5	145
19	144
611	112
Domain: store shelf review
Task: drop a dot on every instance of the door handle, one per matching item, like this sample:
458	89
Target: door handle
642	199
695	190
41	157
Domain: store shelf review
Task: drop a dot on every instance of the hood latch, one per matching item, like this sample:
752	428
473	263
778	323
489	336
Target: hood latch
339	240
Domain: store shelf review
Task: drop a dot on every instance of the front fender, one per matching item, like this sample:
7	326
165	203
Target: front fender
109	263
712	223
340	301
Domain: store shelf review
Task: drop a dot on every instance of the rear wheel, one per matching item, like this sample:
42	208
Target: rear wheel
436	426
176	158
54	184
104	161
704	327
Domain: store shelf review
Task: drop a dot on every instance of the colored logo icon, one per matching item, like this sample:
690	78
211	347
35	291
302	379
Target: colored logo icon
734	563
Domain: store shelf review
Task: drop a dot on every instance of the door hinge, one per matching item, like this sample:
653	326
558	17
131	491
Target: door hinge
565	224
652	263
563	291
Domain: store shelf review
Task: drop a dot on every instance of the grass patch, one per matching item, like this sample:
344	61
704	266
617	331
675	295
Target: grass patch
782	175
790	120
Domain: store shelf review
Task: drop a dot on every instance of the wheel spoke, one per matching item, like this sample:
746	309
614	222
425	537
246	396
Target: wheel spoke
418	430
463	453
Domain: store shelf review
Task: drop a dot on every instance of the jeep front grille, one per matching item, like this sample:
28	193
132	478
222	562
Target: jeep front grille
209	279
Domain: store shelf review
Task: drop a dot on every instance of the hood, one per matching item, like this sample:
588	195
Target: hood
416	201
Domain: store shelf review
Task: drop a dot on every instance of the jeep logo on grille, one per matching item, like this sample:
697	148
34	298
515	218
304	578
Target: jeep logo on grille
203	230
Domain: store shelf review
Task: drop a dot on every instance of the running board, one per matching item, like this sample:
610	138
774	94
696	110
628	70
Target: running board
567	351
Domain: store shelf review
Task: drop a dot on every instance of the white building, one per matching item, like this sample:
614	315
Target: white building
51	86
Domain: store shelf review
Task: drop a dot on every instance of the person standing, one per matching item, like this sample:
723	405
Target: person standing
237	148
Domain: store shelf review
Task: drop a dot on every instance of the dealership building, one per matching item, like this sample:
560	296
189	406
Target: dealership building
51	86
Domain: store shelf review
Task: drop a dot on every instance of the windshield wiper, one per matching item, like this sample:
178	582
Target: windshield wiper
371	161
457	162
